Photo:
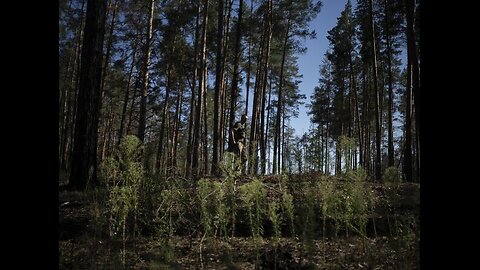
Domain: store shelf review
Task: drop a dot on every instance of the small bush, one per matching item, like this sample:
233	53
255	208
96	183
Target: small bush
392	175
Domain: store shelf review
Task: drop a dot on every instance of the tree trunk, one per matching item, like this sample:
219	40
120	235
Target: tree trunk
201	89
217	125
413	85
106	61
407	157
176	129
69	124
143	101
280	93
391	153
192	123
106	130
263	156
355	101
255	107
249	65
224	82
132	106
378	138
164	114
263	147
84	163
63	109
125	99
205	126
108	46
236	60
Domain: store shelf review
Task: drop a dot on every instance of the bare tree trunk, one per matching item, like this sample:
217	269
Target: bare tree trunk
191	126
390	89
378	138
84	163
63	109
365	115
176	128
255	107
108	46
280	91
110	131
327	165
263	147
143	101
283	151
266	143
275	146
69	125
106	130
413	86
224	81
132	106
205	128
355	100
417	151
125	100
236	60
321	143
218	95
106	61
201	89
249	66
164	114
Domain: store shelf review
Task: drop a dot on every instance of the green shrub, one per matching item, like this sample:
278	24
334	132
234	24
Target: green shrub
287	207
392	175
253	196
275	219
204	192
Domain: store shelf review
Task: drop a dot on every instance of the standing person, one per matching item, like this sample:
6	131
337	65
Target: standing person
238	140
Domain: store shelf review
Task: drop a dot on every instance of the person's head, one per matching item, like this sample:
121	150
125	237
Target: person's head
244	118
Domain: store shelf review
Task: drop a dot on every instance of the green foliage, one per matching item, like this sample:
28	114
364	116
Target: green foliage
347	145
349	203
216	206
330	200
287	207
220	219
275	219
253	196
359	200
231	166
204	192
358	175
109	172
170	207
123	176
392	175
355	199
308	221
130	149
406	235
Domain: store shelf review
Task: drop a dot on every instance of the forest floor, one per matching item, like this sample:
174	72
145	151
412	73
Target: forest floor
82	246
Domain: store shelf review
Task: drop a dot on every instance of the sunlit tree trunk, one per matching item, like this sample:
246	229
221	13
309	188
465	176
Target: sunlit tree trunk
148	50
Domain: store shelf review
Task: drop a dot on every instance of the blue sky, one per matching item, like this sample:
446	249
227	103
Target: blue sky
309	63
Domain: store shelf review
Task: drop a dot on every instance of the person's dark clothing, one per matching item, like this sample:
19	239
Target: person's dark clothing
239	132
237	143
